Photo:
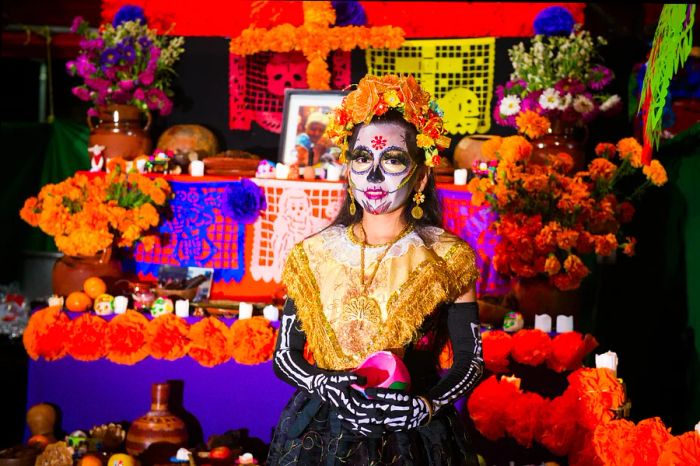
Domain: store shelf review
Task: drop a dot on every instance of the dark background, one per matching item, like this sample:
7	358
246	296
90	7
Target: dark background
636	307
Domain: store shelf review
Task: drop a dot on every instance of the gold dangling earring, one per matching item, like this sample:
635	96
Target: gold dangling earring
417	211
352	208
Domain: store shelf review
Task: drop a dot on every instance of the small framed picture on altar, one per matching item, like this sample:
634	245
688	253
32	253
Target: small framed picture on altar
306	115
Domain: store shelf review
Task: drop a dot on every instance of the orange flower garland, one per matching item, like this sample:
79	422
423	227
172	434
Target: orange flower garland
86	340
531	347
46	333
316	39
211	342
497	346
126	338
683	450
253	340
168	337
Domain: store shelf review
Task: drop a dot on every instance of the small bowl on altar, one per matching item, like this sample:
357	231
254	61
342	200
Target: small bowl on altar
383	369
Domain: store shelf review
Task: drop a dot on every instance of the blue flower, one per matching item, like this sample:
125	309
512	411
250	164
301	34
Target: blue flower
554	21
349	13
145	42
127	52
242	201
129	13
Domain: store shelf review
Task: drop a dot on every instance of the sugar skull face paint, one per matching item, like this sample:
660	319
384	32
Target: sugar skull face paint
381	169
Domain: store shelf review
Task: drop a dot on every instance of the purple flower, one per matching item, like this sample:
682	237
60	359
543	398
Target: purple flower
81	92
146	78
84	67
127	52
600	76
75	25
126	84
500	92
92	44
139	94
242	201
516	87
110	56
531	102
554	21
110	72
70	67
144	42
502	119
129	13
98	84
155	98
120	96
166	106
570	86
92	112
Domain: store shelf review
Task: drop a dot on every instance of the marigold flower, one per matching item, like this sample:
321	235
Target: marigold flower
628	247
566	239
531	124
552	265
515	149
605	149
601	168
424	141
656	173
629	149
489	148
605	245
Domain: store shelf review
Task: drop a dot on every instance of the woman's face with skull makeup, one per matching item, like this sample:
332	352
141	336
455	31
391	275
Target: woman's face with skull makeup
381	170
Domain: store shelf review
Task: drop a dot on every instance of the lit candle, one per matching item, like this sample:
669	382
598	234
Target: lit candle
141	165
271	313
120	304
607	360
182	308
460	176
197	168
543	322
565	324
245	310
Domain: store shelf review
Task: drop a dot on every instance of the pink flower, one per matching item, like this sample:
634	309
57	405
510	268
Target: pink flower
139	94
146	78
126	84
81	92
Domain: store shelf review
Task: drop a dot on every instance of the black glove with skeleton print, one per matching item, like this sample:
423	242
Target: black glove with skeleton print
334	388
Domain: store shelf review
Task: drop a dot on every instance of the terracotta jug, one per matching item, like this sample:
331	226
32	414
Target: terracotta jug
69	272
159	425
469	149
537	296
120	131
562	137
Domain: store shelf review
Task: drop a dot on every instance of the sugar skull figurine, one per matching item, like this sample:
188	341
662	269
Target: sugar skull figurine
104	305
97	159
162	306
513	322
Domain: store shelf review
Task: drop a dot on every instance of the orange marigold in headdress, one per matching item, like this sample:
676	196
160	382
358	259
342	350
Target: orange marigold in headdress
46	334
253	340
376	95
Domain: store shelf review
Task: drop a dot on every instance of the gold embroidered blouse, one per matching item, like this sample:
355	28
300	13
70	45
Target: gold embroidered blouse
322	274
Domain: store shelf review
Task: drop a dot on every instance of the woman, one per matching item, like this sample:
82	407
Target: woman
311	145
383	276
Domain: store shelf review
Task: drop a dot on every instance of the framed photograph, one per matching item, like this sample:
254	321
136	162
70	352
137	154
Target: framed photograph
177	277
305	117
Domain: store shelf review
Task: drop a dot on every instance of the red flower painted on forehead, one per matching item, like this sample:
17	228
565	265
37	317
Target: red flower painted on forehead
378	142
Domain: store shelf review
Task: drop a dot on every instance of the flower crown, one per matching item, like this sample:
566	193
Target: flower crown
375	96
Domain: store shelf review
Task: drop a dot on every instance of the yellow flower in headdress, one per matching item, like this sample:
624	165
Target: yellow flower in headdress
392	99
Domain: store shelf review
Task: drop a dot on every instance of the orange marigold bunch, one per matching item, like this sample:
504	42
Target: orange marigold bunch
549	217
86	215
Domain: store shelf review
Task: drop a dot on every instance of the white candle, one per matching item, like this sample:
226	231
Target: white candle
543	322
245	311
281	171
182	308
608	360
565	324
309	173
333	173
141	165
271	313
120	304
197	168
460	176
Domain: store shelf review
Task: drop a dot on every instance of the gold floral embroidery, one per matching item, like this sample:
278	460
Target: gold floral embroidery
440	277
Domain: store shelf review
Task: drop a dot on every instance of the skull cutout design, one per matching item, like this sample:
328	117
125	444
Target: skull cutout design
461	108
286	70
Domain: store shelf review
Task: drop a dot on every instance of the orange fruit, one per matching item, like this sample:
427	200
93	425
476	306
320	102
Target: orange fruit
41	440
90	460
78	301
94	286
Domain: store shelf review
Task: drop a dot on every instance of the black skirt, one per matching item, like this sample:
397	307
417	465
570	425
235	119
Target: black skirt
309	433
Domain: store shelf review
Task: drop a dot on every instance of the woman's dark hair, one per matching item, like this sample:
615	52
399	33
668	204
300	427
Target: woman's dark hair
432	210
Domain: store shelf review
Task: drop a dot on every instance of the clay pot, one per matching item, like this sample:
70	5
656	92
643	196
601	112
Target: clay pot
120	131
69	272
41	420
537	296
158	426
562	137
189	138
468	149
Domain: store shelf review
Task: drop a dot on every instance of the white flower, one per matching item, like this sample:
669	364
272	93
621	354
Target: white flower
550	99
510	105
611	102
565	102
583	104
